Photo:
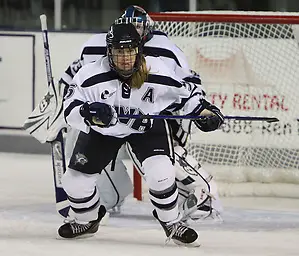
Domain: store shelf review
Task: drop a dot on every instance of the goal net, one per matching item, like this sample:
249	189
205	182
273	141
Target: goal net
249	66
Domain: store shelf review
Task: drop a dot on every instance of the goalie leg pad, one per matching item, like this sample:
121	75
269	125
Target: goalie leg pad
70	141
114	185
187	173
196	187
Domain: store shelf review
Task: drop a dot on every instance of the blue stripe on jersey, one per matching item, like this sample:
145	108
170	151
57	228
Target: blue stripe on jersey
100	78
193	79
159	33
157	52
178	106
74	104
61	81
94	50
69	72
164	80
66	86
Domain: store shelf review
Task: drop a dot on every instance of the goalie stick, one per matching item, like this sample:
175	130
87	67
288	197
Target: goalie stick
245	118
57	145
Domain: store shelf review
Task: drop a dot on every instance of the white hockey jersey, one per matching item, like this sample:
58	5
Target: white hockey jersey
158	46
95	82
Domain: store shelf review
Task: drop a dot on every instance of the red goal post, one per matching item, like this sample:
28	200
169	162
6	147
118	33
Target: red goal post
249	65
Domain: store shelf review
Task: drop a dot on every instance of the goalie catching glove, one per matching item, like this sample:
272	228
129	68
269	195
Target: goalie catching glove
212	120
99	114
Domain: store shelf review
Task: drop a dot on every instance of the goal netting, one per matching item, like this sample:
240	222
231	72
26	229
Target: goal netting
249	66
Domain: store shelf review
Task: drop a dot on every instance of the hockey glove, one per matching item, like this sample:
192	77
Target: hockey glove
213	118
209	123
99	114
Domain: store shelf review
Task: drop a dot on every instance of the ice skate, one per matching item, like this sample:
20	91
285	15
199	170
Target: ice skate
73	229
180	233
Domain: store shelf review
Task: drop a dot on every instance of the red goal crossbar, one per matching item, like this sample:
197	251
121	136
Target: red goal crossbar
258	18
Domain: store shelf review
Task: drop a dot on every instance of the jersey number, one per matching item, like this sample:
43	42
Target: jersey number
140	125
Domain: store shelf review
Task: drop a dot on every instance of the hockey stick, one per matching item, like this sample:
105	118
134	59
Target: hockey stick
244	118
57	146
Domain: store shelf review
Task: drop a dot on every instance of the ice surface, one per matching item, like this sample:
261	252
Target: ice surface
28	222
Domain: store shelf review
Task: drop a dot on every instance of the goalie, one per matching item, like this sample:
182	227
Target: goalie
116	185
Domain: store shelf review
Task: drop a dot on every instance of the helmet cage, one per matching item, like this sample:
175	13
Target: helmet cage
141	26
135	11
126	42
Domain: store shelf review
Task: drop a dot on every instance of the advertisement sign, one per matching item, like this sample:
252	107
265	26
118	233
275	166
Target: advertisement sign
249	77
16	79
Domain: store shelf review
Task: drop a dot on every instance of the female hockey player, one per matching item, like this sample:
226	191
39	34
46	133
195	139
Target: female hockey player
127	82
116	185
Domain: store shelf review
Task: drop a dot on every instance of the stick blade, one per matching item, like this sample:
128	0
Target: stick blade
272	120
253	118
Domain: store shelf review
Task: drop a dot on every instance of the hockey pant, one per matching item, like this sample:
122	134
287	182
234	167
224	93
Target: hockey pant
113	184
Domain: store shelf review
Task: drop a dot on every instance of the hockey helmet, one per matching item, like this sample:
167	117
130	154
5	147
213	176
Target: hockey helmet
123	39
140	18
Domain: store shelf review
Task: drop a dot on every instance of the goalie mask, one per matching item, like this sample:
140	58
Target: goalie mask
142	21
124	49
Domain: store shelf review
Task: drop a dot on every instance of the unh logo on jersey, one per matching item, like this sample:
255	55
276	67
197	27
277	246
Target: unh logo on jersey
81	159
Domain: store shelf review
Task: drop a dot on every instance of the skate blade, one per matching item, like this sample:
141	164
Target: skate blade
105	219
75	238
192	245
